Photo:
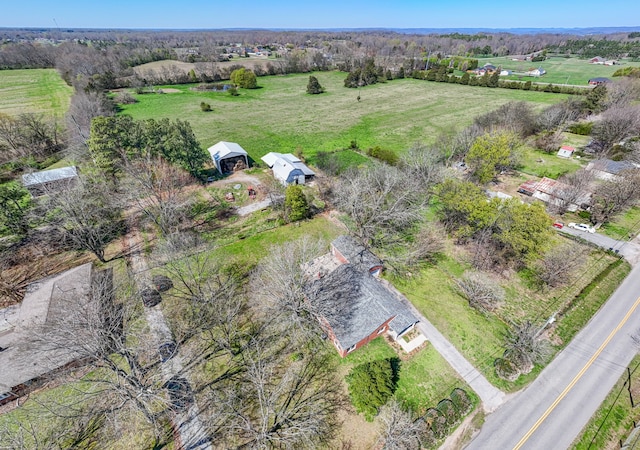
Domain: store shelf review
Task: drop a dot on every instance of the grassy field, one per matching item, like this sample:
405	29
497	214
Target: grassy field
34	91
479	337
541	164
624	226
281	117
559	70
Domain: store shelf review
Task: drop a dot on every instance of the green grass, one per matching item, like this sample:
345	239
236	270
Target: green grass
615	418
559	70
590	299
541	164
425	378
480	337
624	226
34	91
250	250
281	117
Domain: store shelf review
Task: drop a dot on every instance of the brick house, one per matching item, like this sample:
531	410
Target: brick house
355	306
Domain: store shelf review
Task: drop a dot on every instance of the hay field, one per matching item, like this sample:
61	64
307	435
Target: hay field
34	91
280	116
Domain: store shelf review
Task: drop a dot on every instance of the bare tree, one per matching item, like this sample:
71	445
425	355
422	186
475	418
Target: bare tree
156	187
278	403
573	191
398	429
549	141
424	247
614	196
209	303
482	293
555	116
278	284
380	201
87	212
100	328
622	92
423	164
615	125
558	265
525	346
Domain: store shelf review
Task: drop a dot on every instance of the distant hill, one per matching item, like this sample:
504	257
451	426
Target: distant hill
574	31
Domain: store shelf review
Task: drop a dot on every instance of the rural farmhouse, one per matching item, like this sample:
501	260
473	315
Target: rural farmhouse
355	305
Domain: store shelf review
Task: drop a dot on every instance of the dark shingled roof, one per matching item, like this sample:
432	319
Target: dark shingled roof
355	253
355	304
613	167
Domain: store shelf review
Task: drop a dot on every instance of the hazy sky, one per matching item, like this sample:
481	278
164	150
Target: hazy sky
319	14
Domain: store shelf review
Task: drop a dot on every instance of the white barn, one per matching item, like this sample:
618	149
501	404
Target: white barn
287	168
225	156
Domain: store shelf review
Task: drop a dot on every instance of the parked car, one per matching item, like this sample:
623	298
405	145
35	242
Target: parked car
558	225
582	227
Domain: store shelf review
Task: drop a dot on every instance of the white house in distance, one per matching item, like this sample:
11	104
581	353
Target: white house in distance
566	151
287	168
226	155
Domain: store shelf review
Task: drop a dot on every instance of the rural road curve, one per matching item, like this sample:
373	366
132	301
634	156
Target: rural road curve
551	412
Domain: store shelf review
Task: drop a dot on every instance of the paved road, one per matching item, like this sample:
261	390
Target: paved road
551	412
490	396
629	249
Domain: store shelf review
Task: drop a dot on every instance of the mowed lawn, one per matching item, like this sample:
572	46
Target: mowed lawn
281	117
559	70
34	91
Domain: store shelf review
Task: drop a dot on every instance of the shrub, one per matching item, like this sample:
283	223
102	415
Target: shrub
371	385
313	87
482	293
461	401
383	154
124	98
205	106
581	128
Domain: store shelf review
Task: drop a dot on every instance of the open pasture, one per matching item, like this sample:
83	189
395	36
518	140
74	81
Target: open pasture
280	116
559	70
34	91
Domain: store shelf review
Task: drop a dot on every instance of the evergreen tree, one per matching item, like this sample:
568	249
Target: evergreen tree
465	78
493	79
401	73
313	87
295	203
371	385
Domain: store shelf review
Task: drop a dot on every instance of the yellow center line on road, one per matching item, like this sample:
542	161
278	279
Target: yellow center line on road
564	393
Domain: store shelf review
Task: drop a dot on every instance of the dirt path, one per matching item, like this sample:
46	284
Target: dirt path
188	428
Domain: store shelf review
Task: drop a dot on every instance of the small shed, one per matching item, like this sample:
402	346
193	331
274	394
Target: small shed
39	183
225	156
566	151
